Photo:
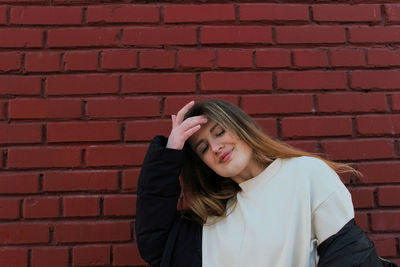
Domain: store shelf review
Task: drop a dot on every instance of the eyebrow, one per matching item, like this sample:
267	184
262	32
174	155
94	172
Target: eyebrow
211	130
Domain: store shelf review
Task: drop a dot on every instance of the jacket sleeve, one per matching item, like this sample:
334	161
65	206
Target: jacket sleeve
158	193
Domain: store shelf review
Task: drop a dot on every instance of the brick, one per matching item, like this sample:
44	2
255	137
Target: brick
37	157
20	85
21	38
273	58
236	81
15	257
146	130
196	58
83	60
83	37
50	257
396	101
46	15
130	180
9	208
235	34
127	254
2	110
310	34
20	133
3	14
310	58
157	59
383	57
375	34
35	62
347	57
43	207
158	82
392	12
199	13
121	108
10	61
385	221
316	126
91	255
273	12
119	59
309	146
378	124
311	80
267	104
379	172
361	219
235	58
385	246
123	14
80	181
83	131
267	125
389	196
347	13
160	36
98	231
115	155
81	206
19	183
362	197
24	233
352	102
119	205
45	108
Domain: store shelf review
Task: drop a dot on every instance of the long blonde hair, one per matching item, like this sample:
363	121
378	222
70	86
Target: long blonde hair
206	191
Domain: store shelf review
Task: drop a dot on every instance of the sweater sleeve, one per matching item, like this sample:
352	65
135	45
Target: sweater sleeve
158	193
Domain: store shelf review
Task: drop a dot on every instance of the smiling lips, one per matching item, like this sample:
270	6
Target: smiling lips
225	157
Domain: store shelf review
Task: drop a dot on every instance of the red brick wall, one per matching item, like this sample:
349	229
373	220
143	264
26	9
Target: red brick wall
84	86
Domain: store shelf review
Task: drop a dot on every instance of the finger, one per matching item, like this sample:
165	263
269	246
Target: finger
181	113
173	118
193	121
191	131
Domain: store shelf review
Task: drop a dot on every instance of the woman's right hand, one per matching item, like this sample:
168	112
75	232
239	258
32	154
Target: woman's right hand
183	129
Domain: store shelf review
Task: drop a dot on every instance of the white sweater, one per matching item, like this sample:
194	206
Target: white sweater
281	216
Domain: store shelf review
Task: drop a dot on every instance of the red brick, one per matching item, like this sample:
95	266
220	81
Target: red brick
2	110
352	102
83	60
389	196
376	79
36	157
80	181
345	12
20	37
116	155
127	107
119	59
396	101
196	58
9	208
15	257
362	220
378	124
24	233
310	58
146	130
45	108
19	183
199	13
20	133
310	34
379	172
385	221
316	126
236	81
96	231
81	37
24	1
347	57
157	59
127	254
383	57
50	257
375	34
267	104
46	15
311	80
273	12
119	205
392	12
3	14
81	206
235	58
123	13
42	62
362	197
268	126
20	85
44	207
235	34
158	82
273	58
91	255
160	36
10	61
385	246
309	146
130	180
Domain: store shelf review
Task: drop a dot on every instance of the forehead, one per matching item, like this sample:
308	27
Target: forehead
202	133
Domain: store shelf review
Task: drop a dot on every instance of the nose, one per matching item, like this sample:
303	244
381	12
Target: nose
216	147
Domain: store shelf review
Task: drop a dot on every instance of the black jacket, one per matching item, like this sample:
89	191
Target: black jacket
165	238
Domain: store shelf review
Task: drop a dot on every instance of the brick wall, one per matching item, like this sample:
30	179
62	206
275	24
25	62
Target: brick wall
85	85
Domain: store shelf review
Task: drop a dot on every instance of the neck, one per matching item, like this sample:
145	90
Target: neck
252	170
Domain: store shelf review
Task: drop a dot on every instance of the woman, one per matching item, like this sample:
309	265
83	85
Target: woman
253	201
